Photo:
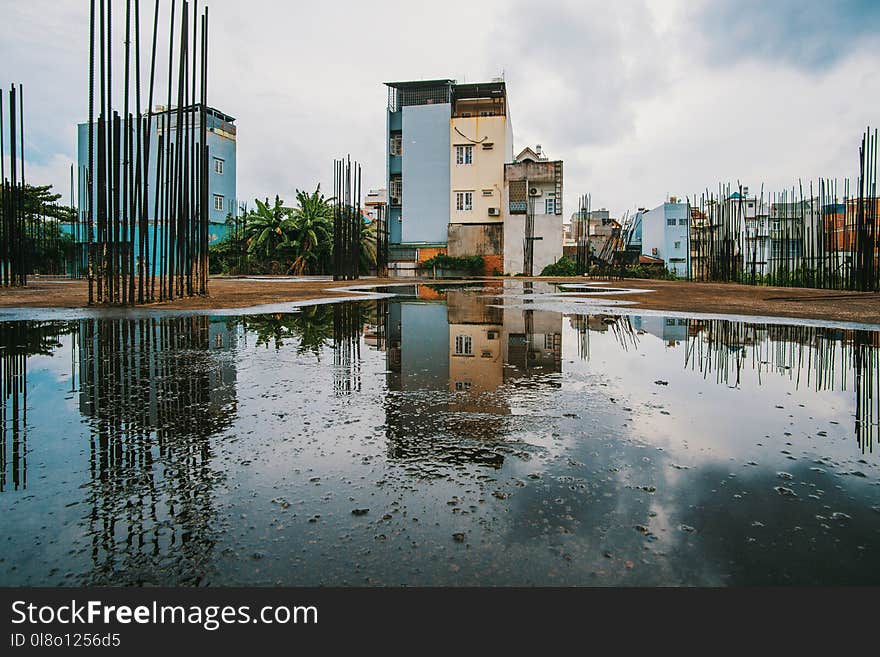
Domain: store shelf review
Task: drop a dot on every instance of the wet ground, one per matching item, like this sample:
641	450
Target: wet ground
489	434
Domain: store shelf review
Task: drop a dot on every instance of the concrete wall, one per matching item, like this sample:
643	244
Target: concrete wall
547	249
486	172
548	227
475	239
425	203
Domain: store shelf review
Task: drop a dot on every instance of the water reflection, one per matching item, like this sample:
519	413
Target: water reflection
818	358
19	341
154	391
452	352
558	448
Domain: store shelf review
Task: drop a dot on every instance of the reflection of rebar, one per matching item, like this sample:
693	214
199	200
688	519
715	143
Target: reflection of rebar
804	354
348	321
150	391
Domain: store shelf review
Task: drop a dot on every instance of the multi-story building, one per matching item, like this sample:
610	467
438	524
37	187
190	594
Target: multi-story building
447	145
663	233
532	212
221	141
375	203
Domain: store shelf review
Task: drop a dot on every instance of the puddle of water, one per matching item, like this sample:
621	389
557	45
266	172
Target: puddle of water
445	435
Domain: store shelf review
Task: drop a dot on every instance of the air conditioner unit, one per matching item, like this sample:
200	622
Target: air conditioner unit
534	191
395	200
493	212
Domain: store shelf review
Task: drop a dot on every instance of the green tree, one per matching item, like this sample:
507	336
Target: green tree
310	241
267	228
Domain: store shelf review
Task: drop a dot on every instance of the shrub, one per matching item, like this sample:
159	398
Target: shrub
473	265
565	266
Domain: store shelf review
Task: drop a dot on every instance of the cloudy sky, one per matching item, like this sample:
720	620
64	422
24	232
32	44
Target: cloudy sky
640	99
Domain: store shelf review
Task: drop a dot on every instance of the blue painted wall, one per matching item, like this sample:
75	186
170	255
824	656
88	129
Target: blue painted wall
425	209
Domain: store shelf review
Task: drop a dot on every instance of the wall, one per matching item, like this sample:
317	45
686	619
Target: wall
548	227
425	202
547	250
486	171
475	239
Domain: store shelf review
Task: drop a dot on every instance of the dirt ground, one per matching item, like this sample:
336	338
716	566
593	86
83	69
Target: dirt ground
724	298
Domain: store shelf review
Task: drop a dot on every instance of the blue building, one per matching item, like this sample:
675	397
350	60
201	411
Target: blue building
418	174
221	141
447	147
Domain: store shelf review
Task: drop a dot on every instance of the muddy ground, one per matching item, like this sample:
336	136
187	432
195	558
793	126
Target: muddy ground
683	296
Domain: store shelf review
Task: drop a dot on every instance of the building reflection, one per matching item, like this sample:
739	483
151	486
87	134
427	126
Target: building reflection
451	356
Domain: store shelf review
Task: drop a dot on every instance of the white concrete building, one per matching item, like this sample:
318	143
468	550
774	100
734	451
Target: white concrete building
665	235
532	195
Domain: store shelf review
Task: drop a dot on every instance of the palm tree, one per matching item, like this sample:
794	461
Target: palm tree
312	231
267	228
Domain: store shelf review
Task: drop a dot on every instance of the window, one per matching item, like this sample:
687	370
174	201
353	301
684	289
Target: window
487	192
395	190
396	146
464	345
670	322
464	154
218	202
677	245
218	165
549	206
670	221
464	201
682	221
462	386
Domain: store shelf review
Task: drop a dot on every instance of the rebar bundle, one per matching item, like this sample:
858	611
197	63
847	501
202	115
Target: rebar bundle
382	237
127	257
826	236
582	226
14	263
347	220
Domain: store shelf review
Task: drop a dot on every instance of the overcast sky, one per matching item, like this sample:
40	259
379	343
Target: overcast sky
640	99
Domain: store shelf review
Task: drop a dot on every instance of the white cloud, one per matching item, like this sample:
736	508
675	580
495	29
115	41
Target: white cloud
634	96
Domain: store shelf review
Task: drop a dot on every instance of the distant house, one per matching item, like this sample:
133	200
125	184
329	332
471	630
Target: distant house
664	234
532	212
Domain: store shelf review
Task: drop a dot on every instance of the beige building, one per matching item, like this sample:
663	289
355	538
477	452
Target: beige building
481	142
